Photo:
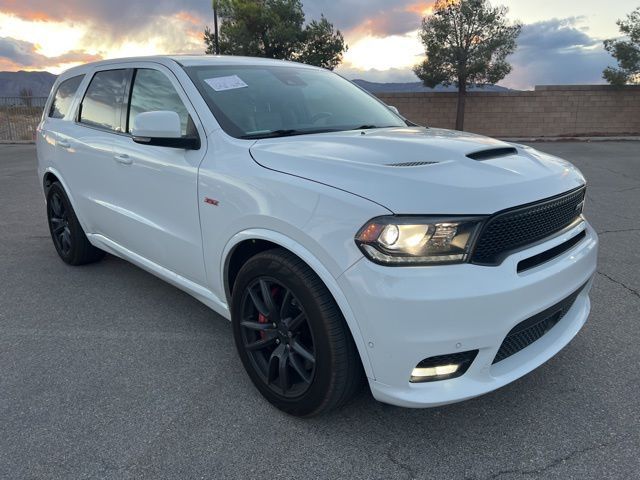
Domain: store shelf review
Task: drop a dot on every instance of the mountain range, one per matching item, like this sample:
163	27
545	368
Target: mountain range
412	87
40	83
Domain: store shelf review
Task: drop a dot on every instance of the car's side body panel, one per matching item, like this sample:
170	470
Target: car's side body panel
155	212
247	196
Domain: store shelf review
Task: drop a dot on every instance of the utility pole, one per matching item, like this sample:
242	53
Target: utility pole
215	27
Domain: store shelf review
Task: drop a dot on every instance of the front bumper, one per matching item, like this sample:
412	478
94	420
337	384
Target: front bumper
410	313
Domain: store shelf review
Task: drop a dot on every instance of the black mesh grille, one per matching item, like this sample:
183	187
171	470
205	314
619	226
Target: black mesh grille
530	330
517	227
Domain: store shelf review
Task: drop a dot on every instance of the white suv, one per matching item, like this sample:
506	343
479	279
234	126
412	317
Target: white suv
343	241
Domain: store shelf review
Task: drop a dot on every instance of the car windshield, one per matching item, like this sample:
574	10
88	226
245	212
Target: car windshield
274	101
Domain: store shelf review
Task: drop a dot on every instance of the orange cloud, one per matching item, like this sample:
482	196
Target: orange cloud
26	12
36	16
393	21
187	17
421	8
19	54
193	25
7	65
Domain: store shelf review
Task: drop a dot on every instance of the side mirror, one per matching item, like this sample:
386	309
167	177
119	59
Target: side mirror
394	110
162	129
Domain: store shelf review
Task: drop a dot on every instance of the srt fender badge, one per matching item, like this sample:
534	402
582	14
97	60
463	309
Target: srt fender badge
211	201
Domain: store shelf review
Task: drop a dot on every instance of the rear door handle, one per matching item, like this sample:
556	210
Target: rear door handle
123	158
64	144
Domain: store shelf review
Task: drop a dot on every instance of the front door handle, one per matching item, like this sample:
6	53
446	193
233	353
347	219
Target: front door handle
123	158
64	144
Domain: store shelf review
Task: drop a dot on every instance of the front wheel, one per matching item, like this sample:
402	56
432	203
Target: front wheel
291	336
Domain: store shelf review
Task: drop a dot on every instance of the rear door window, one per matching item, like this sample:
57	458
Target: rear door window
64	97
153	91
102	104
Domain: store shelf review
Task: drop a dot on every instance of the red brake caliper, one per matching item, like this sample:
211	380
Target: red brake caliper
261	317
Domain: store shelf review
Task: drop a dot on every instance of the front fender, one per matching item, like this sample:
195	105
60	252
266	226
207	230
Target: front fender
320	270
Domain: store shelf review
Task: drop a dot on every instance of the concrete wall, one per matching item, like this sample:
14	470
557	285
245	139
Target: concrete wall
548	111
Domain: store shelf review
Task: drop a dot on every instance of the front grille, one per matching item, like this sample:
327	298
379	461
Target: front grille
518	227
530	330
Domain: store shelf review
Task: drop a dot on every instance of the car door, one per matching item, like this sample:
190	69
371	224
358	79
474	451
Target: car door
85	146
58	114
158	186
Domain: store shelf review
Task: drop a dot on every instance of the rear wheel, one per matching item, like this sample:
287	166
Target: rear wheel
69	239
291	336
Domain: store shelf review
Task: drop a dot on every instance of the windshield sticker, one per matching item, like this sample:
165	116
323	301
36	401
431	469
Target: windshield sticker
220	84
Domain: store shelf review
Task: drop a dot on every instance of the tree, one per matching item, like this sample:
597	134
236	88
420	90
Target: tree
276	29
466	43
626	52
322	45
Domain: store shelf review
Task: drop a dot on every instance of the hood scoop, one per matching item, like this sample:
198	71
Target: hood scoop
410	164
492	153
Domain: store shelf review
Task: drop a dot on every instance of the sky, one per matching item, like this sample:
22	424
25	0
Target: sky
561	41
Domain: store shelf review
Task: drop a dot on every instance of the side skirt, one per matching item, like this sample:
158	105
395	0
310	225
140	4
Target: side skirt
197	291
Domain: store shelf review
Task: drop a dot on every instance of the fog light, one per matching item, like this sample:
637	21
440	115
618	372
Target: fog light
434	371
443	367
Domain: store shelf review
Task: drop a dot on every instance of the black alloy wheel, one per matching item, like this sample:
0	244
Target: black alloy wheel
69	239
276	334
59	223
291	336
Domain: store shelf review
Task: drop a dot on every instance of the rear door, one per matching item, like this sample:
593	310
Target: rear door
158	216
86	150
57	116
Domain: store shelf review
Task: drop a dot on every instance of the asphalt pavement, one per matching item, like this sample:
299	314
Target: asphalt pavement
108	372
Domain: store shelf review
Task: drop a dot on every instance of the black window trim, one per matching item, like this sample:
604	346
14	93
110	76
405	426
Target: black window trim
127	96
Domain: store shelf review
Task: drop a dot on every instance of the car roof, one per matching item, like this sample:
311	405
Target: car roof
197	60
187	61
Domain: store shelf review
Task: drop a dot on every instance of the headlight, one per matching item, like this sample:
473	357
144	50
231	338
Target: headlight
418	240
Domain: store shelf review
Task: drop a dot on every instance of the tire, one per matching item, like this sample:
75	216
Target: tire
303	329
67	235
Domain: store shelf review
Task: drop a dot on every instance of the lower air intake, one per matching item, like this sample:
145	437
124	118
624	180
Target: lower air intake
533	328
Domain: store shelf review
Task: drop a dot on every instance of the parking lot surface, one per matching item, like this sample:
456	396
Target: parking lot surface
108	372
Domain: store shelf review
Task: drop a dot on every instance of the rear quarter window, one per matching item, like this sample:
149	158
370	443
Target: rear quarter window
64	97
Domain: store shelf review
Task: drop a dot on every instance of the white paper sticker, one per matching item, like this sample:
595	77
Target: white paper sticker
220	84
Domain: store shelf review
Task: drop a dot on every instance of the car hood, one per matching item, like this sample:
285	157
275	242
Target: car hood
422	171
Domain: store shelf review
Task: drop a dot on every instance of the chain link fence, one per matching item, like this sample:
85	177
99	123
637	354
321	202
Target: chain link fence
19	117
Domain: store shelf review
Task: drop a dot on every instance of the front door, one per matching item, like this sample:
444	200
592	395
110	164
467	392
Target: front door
158	186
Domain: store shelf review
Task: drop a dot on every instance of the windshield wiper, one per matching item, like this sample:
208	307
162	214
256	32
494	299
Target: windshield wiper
284	133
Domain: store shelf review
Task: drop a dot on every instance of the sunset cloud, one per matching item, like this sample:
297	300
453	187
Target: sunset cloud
115	16
557	51
382	34
18	54
63	42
